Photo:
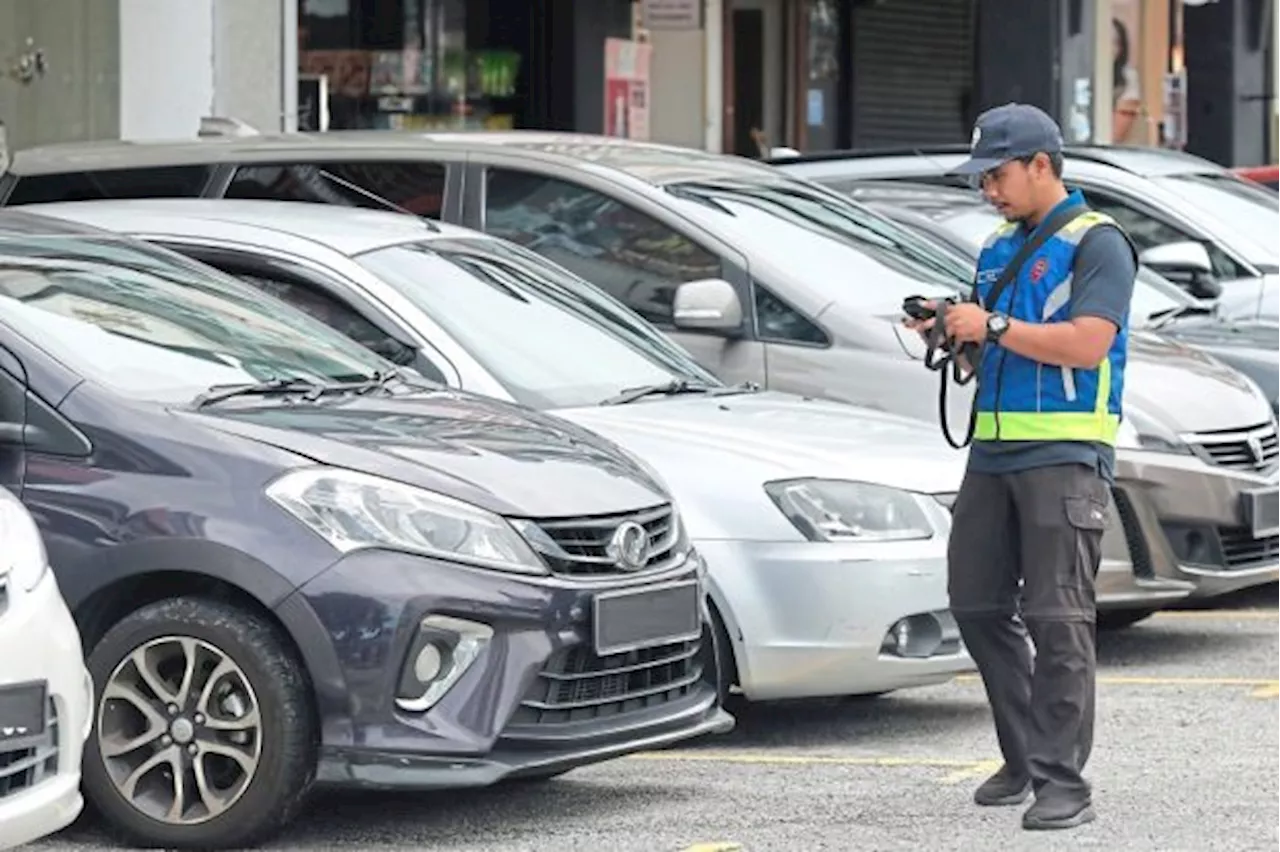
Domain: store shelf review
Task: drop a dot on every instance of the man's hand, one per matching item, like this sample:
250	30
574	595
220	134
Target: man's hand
967	322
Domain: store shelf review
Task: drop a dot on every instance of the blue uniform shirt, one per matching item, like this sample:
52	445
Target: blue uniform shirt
1102	286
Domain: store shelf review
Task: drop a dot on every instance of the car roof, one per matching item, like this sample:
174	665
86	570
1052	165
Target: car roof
653	163
24	223
1138	160
347	230
927	199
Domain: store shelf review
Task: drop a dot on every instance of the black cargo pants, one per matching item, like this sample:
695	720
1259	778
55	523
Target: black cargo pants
1042	527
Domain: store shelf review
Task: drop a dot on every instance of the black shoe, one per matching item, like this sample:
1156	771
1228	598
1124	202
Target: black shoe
1002	789
1056	813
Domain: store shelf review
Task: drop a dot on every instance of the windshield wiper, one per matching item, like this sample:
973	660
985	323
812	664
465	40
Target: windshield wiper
671	388
293	384
1160	319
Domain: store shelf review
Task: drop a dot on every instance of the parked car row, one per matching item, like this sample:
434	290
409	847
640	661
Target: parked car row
553	449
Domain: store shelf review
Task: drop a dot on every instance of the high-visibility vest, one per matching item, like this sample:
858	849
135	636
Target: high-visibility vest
1023	400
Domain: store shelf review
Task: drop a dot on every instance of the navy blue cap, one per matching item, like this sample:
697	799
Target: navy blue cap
1007	133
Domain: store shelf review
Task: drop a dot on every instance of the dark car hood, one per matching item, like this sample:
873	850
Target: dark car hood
1249	347
506	458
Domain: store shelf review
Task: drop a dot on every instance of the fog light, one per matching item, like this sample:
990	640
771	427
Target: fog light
440	654
427	665
919	635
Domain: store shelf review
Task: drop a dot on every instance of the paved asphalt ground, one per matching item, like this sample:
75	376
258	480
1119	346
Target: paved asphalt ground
1185	759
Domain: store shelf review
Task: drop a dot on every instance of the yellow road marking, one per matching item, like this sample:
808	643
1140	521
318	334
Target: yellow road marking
1138	680
1269	691
716	846
961	770
1220	614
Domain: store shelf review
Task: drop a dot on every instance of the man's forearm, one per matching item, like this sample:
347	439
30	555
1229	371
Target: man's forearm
1061	344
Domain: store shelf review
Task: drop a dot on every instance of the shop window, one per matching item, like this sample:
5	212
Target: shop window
778	321
631	255
158	182
416	187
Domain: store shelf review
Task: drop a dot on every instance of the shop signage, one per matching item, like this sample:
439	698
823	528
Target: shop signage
626	88
672	14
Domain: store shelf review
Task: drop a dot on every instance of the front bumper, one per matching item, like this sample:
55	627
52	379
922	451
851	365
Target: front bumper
40	775
1184	521
537	699
810	619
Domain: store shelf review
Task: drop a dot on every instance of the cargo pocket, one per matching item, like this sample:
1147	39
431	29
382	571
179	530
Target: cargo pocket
1089	518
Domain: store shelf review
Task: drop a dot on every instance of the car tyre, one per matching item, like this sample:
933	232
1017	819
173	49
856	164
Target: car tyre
726	666
244	739
1118	619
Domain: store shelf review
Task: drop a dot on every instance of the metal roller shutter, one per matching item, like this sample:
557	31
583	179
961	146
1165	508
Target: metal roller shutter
912	71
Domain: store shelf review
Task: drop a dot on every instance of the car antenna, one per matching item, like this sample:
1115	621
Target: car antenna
373	196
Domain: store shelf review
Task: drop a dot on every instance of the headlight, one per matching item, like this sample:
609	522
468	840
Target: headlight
354	510
837	510
1139	431
21	548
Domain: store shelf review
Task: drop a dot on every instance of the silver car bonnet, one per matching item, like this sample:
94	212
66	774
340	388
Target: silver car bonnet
758	437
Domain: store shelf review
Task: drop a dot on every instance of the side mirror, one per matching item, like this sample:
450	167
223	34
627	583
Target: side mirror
710	304
1186	263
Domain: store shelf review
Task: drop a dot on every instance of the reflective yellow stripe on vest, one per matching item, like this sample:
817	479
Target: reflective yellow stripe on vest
1097	425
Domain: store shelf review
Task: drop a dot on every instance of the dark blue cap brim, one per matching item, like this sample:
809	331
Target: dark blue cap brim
978	165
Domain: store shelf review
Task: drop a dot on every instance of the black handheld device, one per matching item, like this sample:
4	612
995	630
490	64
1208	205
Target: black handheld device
913	306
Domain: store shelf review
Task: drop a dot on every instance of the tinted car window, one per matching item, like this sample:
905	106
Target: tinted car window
776	320
637	259
159	182
416	187
1147	231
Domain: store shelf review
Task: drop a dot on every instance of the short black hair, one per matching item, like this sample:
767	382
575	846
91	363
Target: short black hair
1055	161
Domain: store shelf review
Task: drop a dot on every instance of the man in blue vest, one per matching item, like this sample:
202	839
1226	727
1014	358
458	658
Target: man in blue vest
1027	524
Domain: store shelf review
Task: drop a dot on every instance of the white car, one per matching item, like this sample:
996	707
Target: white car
824	526
45	692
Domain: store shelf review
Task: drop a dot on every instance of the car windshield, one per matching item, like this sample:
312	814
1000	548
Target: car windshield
1229	202
154	326
552	339
817	234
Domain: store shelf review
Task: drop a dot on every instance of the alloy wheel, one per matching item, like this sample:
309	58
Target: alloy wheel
180	730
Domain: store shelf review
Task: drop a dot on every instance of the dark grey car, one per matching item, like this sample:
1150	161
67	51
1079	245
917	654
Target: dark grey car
291	565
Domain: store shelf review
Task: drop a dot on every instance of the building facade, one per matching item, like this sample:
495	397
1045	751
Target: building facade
739	76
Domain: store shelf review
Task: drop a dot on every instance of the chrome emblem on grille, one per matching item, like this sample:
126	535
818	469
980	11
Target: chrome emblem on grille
629	547
1255	448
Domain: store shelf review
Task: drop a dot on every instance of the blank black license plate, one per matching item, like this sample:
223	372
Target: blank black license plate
1262	511
654	615
21	711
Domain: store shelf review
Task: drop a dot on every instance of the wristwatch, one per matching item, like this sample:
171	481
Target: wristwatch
997	325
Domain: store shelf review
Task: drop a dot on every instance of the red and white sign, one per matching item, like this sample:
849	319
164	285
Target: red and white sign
626	88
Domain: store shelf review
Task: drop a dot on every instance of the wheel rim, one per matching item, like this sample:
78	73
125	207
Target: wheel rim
179	730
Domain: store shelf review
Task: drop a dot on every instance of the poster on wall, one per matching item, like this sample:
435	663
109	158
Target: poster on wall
626	88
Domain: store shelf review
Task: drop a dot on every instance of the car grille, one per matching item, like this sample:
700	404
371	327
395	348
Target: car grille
1254	448
579	546
577	686
23	768
1241	550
